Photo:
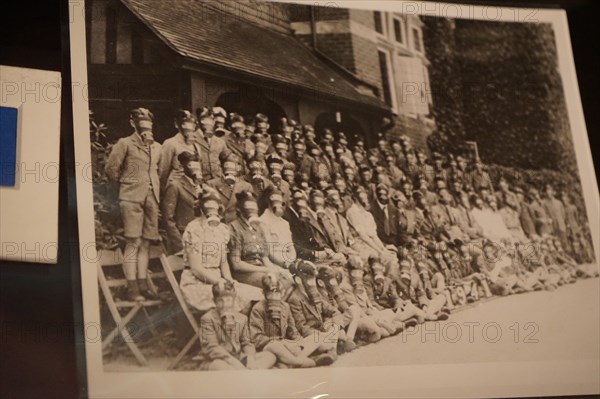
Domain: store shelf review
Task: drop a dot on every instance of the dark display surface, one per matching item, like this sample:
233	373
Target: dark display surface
41	331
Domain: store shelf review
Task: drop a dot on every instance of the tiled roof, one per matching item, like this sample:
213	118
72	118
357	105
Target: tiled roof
208	35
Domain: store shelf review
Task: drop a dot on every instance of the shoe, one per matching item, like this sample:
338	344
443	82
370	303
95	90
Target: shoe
341	347
443	316
133	291
349	346
306	363
412	322
324	359
145	289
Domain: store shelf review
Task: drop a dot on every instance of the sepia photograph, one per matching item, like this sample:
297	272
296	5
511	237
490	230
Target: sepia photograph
333	189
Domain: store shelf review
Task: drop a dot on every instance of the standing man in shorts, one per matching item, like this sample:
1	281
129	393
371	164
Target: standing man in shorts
134	164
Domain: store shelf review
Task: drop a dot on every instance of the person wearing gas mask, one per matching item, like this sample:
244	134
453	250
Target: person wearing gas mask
414	280
275	168
277	229
273	328
205	241
357	326
184	140
225	338
386	319
342	187
386	216
304	163
280	146
289	173
228	185
220	122
383	291
365	227
249	251
180	200
315	317
213	148
329	279
308	239
256	176
133	164
237	142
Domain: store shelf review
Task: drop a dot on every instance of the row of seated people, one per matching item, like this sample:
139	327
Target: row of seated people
264	306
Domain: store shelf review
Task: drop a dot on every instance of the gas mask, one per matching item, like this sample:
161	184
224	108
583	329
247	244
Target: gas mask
193	170
249	212
188	130
288	175
330	282
310	286
276	204
318	205
208	127
210	209
383	198
274	305
356	279
378	272
225	308
230	173
405	274
144	128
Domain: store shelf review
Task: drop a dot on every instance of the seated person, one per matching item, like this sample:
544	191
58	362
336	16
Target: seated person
205	243
277	229
224	336
248	248
314	316
273	329
384	292
386	319
502	271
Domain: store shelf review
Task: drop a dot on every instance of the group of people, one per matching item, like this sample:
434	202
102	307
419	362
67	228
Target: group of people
299	246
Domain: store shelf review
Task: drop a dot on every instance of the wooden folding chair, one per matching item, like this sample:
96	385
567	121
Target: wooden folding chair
172	264
117	306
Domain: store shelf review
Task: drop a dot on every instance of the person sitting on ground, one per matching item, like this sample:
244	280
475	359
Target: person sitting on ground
314	316
224	336
273	329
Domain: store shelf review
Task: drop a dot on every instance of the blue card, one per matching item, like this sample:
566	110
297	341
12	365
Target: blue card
8	145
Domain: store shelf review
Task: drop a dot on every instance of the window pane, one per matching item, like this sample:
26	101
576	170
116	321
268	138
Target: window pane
398	31
385	82
417	39
378	22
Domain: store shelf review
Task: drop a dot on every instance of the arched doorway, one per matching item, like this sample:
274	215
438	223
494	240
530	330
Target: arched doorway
250	101
341	122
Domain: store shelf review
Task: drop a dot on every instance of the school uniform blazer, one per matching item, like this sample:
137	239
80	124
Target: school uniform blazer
211	155
263	329
309	317
178	209
227	195
135	167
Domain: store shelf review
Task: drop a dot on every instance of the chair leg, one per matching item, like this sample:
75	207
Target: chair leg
115	332
182	353
114	311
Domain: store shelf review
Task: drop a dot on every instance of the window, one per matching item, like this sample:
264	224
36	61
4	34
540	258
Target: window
389	94
378	22
398	32
111	35
137	47
416	34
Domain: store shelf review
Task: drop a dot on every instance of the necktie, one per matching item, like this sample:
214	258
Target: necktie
386	217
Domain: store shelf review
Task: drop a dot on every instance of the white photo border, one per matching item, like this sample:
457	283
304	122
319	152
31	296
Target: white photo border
451	380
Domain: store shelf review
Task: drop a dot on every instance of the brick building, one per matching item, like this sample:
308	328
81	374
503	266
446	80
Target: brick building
250	57
383	49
